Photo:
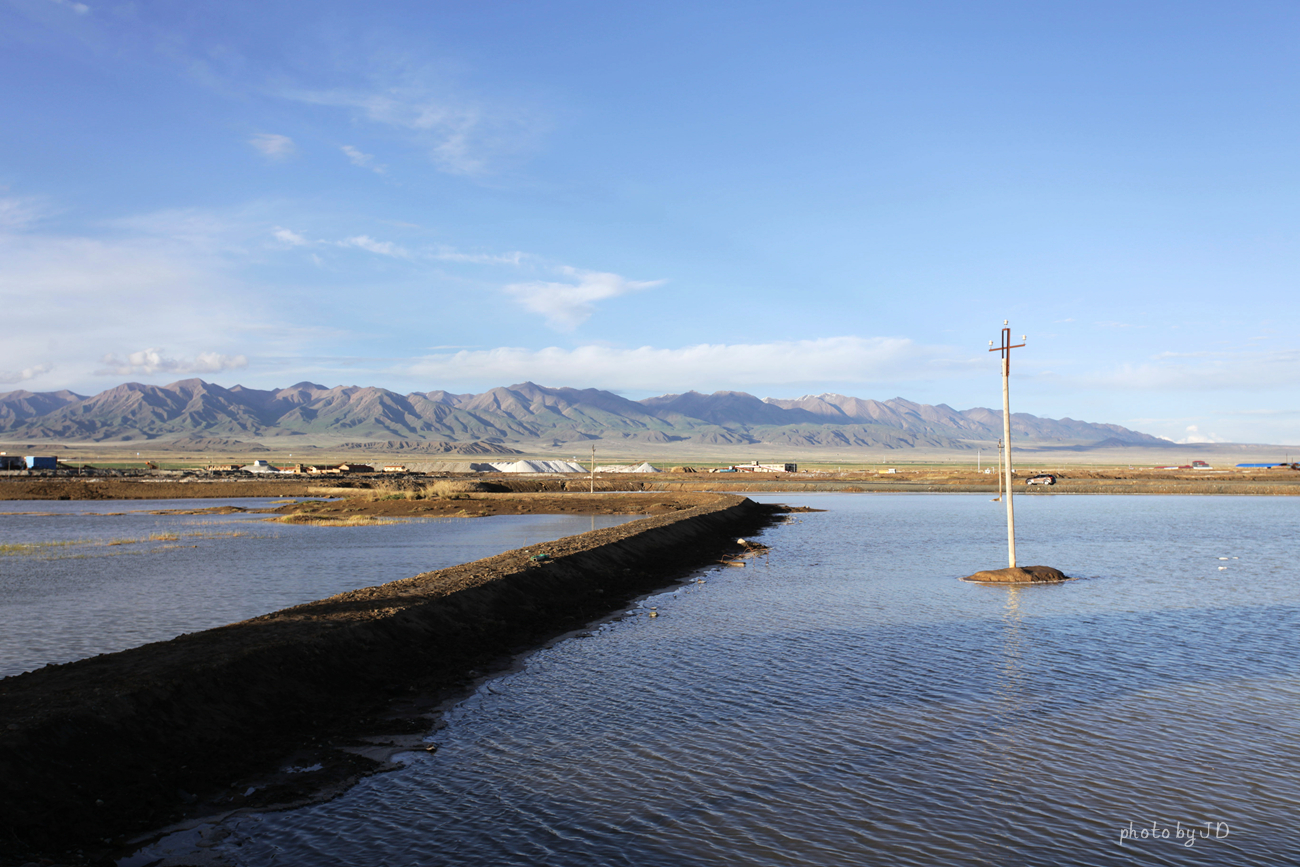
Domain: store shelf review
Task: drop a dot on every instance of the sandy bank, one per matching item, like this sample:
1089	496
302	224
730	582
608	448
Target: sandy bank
118	744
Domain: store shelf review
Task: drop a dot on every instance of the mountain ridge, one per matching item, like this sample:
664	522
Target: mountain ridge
523	413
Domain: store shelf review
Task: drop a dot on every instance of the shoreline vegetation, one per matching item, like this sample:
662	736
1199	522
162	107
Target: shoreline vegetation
298	704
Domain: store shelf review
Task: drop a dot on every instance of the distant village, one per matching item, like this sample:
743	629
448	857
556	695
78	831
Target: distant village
51	463
28	465
261	466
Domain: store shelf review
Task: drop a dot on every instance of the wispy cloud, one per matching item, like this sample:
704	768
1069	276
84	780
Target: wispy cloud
369	244
148	361
1202	371
450	254
12	376
465	136
79	8
568	305
273	146
19	212
363	160
290	237
440	253
704	366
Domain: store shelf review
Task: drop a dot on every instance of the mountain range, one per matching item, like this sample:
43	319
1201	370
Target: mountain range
521	414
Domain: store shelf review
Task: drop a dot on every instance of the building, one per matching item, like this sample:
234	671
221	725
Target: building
41	463
756	467
340	469
356	468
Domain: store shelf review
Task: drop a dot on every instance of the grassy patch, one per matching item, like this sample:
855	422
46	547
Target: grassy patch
27	549
152	537
332	521
56	549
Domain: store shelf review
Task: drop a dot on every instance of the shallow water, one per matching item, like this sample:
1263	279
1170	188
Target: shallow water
118	577
846	701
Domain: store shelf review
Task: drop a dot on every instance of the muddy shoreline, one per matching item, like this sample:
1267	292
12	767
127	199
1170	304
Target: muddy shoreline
96	752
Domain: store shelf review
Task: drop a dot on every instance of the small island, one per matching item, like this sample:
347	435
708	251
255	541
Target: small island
1019	575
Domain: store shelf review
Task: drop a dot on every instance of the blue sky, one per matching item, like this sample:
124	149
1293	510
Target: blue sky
776	198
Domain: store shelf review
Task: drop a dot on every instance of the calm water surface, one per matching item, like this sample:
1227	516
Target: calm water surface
81	578
847	701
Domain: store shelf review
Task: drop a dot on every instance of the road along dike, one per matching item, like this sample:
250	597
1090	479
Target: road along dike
96	752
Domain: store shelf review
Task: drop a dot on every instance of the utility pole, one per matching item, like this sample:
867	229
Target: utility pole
998	498
593	468
1005	349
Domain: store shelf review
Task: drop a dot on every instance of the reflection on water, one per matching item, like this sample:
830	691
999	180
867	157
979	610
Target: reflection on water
81	578
1000	751
848	701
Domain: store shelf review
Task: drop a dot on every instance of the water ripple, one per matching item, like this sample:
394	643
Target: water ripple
847	701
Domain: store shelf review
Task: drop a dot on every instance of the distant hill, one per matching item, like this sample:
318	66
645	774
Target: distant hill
439	422
421	447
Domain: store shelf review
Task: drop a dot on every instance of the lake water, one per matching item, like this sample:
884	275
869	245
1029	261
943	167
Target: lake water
846	701
87	577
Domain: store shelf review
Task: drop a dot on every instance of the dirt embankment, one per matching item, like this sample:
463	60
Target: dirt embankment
73	488
479	505
118	744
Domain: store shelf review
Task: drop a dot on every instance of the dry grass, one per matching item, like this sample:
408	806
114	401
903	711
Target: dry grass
45	549
446	490
393	489
27	549
440	490
152	537
332	521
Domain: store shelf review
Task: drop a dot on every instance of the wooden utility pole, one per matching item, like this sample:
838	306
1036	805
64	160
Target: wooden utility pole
1005	349
593	468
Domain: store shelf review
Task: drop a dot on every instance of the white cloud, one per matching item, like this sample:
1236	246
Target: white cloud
272	146
383	248
290	237
568	305
702	367
363	160
1194	435
12	376
149	361
153	280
